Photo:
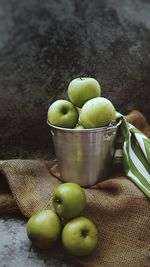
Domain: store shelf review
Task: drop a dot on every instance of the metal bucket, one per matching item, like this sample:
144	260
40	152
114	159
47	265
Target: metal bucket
84	156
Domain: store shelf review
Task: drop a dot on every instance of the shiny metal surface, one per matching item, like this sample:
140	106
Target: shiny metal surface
85	156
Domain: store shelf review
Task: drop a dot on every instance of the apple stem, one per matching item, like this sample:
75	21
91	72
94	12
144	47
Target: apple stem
64	111
58	201
84	233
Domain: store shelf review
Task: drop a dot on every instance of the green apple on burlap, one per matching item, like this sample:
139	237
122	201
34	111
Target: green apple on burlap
69	200
80	236
43	229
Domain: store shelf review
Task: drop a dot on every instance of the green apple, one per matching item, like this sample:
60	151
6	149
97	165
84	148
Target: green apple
80	90
43	229
69	200
63	113
79	127
97	112
80	236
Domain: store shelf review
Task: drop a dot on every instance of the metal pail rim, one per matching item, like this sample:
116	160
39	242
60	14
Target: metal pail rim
106	128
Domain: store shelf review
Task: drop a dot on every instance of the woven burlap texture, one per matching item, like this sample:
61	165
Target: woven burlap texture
118	208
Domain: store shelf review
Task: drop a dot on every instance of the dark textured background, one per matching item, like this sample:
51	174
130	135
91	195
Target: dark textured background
43	45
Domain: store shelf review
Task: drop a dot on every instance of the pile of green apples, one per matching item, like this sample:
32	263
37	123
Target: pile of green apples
85	108
79	235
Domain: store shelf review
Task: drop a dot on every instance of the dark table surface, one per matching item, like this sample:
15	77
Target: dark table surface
45	44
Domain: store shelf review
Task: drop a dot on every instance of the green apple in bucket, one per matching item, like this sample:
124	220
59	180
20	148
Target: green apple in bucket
69	200
63	113
79	127
80	90
43	229
97	112
80	236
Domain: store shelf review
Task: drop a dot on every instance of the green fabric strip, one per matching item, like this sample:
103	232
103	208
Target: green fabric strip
136	155
147	148
139	153
130	166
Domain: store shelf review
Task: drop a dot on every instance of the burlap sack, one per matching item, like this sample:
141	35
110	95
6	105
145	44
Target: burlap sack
118	208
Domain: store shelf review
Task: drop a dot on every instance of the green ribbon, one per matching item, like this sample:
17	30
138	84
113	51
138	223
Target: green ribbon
136	155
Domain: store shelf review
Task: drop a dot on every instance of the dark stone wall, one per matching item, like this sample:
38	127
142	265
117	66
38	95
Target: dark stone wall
45	44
